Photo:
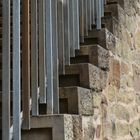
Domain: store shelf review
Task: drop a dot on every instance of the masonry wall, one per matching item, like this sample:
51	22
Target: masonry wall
119	104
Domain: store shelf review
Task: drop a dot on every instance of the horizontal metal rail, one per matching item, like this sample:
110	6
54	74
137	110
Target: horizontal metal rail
51	31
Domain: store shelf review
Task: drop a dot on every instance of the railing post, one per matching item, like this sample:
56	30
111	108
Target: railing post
49	57
61	48
66	32
72	32
76	24
98	14
89	14
26	64
55	57
6	70
81	19
34	58
16	72
42	69
85	18
93	12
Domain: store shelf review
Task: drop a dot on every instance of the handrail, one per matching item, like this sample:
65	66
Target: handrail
51	31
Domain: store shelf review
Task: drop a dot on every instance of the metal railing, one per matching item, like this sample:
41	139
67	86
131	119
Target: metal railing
45	34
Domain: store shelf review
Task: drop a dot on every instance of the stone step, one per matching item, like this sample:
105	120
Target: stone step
62	127
84	75
53	127
113	26
93	54
120	2
76	100
105	38
118	12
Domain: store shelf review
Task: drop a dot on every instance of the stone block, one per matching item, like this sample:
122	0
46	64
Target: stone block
120	112
136	77
122	129
79	100
135	128
105	37
114	74
125	96
121	2
51	127
87	76
96	55
111	94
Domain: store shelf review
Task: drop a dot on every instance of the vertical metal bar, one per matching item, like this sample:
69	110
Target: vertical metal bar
26	64
49	57
102	8
42	73
61	37
55	57
16	71
6	70
76	23
93	12
89	14
72	32
66	32
34	57
85	18
98	14
81	19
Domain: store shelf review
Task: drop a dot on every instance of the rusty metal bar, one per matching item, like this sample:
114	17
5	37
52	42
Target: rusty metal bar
6	70
16	72
34	58
26	64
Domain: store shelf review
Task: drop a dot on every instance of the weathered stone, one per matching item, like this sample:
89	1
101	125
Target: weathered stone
88	128
111	94
79	100
114	75
120	112
122	129
97	99
135	128
77	128
93	54
136	74
126	97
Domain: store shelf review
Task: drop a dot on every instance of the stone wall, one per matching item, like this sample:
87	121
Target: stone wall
120	100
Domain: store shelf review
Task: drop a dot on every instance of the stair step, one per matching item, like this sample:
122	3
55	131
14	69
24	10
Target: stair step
84	75
93	54
105	38
61	127
120	2
76	100
53	127
90	40
118	12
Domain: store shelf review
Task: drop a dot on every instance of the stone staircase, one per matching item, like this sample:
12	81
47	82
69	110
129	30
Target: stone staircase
82	104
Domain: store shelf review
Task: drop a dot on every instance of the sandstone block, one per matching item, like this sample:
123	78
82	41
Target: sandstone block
79	100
